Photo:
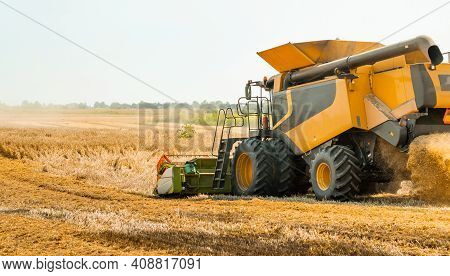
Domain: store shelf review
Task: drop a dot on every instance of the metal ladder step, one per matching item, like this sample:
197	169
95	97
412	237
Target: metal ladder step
224	144
219	173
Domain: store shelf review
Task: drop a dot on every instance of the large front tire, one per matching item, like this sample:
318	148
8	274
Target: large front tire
335	173
290	173
253	169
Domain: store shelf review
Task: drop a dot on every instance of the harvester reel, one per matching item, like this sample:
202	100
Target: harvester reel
335	173
253	169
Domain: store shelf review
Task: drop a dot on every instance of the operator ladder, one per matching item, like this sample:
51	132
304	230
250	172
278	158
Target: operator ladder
225	145
223	158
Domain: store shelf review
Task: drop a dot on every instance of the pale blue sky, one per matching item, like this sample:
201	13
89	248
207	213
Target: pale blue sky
191	50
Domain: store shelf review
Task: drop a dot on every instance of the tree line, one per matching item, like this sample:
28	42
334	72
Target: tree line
213	105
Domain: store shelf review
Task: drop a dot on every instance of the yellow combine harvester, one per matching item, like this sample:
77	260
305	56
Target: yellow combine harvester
318	126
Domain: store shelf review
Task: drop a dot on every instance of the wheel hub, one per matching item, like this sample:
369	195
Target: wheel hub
323	176
244	171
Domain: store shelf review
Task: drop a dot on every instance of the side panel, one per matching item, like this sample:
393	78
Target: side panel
177	179
432	91
444	81
389	87
282	107
441	81
320	112
298	104
358	89
308	115
278	82
424	89
377	112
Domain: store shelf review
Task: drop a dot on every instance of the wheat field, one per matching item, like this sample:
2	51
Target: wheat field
81	184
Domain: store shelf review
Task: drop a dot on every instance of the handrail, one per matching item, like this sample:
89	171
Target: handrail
259	100
256	99
228	113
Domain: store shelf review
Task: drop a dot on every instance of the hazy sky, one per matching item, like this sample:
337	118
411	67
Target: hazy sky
191	50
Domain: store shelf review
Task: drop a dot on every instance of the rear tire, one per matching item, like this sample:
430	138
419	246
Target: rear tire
255	155
291	178
335	173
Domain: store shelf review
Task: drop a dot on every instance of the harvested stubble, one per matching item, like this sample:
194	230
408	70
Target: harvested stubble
105	157
73	217
66	180
115	157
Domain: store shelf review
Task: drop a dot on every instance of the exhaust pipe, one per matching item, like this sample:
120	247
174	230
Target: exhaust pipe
424	44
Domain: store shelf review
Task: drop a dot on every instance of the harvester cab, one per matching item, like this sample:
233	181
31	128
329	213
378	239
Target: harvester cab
317	128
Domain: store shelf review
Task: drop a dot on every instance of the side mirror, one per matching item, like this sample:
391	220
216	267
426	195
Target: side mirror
248	91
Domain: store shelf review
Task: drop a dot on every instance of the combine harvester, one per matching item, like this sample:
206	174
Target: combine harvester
319	123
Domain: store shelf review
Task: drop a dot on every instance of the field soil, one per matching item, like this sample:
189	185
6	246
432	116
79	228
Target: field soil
73	189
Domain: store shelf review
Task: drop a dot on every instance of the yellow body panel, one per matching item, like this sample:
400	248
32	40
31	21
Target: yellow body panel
376	111
329	123
323	51
381	92
300	55
407	107
357	90
389	64
286	57
407	85
278	82
389	87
